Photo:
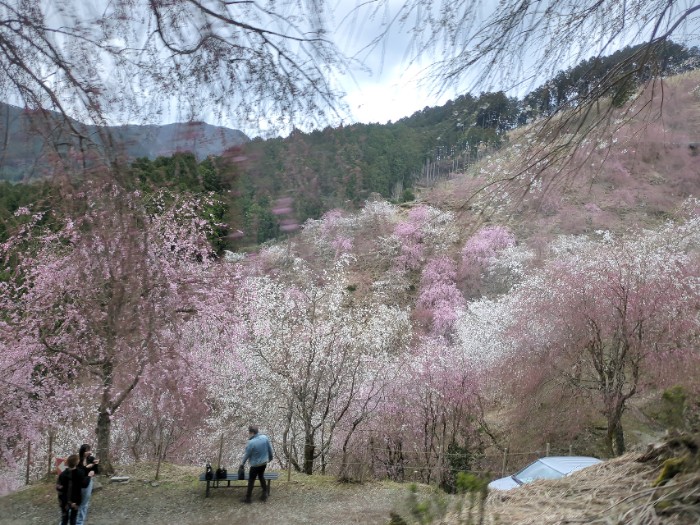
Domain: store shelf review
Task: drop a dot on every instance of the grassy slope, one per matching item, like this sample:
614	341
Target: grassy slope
616	491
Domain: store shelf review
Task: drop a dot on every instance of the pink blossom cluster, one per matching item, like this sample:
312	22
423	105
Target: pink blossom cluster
485	244
439	294
411	237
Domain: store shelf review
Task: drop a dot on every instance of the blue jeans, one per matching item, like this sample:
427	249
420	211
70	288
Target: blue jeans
82	511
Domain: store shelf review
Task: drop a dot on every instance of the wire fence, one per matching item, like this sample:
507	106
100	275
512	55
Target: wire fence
363	463
434	466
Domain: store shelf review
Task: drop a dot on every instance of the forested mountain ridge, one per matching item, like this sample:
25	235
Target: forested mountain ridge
29	146
636	171
341	167
307	174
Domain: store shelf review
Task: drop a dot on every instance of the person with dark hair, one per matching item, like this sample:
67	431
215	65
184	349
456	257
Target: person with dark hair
259	452
88	465
69	486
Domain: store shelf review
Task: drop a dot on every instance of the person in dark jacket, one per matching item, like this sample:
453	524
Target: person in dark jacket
259	452
69	486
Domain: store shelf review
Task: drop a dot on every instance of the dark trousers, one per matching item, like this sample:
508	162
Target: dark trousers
257	472
69	516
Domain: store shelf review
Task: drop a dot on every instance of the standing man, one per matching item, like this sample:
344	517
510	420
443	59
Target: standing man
259	452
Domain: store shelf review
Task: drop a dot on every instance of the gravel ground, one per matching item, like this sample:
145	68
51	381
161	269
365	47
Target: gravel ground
179	499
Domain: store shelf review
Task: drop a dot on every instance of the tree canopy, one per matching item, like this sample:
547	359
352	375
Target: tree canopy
125	60
275	62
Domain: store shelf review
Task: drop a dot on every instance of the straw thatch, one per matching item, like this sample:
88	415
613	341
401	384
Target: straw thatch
661	486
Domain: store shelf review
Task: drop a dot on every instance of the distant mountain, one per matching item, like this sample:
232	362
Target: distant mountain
29	141
200	138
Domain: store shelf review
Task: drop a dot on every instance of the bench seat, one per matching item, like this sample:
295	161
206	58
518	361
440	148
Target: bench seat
233	477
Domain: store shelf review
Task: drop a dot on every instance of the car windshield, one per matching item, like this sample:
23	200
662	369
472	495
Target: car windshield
537	470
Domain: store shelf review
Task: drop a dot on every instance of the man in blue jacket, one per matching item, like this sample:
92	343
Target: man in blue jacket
259	452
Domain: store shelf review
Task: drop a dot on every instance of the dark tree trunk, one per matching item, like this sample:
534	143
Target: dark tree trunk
104	434
615	437
309	449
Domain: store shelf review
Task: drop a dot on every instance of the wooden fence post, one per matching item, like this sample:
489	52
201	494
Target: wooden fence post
363	464
505	461
547	451
48	472
29	460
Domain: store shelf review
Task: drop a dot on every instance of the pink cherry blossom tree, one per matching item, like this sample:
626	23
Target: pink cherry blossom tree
168	407
92	304
439	298
605	313
443	393
426	232
481	251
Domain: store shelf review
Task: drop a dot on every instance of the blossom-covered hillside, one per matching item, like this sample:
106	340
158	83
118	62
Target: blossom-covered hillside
406	342
634	173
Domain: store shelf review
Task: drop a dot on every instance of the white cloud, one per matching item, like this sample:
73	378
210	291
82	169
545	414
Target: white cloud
394	94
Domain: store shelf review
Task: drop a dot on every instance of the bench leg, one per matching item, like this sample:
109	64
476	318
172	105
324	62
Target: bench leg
207	493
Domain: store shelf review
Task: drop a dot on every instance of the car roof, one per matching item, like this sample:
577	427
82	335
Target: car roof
568	464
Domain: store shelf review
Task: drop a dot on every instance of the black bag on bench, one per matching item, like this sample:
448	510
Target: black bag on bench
221	473
241	472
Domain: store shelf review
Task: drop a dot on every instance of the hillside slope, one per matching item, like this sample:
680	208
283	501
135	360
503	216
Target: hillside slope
622	490
636	175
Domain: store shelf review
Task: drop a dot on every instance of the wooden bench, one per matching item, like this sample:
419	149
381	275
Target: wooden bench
218	483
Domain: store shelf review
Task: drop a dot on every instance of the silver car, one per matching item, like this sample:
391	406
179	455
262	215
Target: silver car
551	467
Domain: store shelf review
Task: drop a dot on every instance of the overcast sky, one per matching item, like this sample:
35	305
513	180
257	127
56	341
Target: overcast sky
395	86
390	86
393	90
398	85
